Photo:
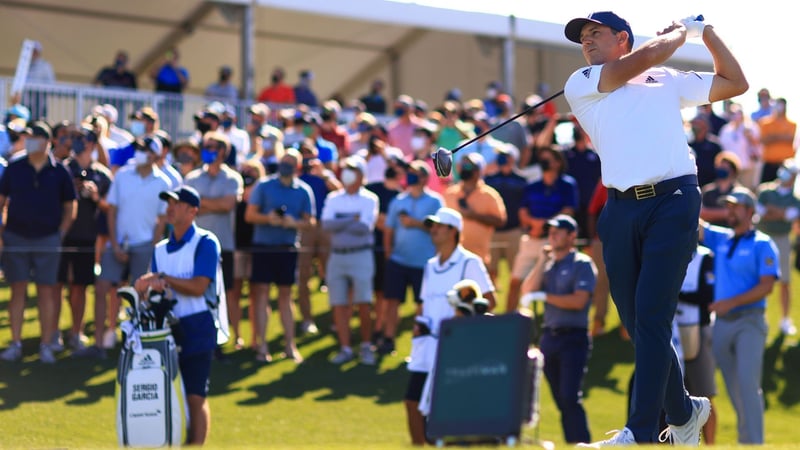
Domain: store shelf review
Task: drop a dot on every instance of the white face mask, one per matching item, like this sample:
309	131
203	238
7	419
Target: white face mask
417	143
34	145
141	158
137	128
349	177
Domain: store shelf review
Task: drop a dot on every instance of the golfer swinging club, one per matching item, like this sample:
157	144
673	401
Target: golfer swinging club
630	107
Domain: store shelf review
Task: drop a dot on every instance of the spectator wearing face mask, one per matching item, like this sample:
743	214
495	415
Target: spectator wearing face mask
251	172
186	157
314	242
487	146
777	134
423	145
220	188
278	91
41	207
407	246
401	129
481	207
223	89
779	209
349	216
76	269
331	130
556	193
302	90
510	185
117	75
240	140
136	221
279	207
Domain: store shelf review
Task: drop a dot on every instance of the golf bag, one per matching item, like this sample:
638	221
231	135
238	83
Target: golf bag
151	409
486	380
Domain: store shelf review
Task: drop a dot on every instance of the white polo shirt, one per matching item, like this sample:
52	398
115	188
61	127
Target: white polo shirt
637	129
137	203
338	218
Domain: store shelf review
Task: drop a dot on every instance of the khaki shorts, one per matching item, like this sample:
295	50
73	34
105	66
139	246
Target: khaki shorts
505	244
242	264
529	251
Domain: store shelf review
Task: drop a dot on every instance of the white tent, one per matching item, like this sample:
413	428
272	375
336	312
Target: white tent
419	50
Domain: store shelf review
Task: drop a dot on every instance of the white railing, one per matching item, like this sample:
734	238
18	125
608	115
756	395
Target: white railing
72	101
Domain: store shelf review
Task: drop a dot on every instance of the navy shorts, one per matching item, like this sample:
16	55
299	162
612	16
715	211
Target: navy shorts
77	263
397	278
196	372
274	264
416	382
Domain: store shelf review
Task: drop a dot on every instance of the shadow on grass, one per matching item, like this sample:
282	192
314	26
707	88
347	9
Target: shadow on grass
608	350
791	367
31	381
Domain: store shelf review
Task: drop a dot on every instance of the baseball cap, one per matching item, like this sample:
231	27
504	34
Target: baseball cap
41	129
740	196
446	216
259	109
564	222
356	162
21	111
150	143
110	111
791	166
186	194
573	29
19	126
145	113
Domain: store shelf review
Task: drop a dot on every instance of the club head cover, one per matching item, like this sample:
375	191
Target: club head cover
442	161
129	294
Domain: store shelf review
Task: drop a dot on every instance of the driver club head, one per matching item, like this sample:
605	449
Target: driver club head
442	161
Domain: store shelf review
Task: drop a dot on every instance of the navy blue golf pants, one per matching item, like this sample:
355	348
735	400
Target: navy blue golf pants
647	245
565	356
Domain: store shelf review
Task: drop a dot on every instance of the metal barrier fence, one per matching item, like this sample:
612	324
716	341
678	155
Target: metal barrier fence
71	101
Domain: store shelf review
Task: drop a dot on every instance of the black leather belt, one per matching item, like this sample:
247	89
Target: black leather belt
565	330
644	191
345	250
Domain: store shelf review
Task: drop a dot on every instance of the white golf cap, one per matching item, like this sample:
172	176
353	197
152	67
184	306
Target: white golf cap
446	216
356	162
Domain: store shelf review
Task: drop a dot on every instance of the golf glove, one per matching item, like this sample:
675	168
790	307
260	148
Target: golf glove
694	27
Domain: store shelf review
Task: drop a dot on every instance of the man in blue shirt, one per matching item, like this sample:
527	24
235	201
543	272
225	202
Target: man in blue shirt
746	267
407	246
555	193
41	207
279	207
189	263
564	280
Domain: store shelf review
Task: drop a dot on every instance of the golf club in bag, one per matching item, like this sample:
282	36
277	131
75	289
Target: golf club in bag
151	409
443	158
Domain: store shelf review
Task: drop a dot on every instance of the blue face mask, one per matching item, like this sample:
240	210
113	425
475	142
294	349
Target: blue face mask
285	169
502	159
208	156
722	173
399	112
227	123
78	146
412	179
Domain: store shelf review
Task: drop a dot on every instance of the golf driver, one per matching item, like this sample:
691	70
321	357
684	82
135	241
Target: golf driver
443	158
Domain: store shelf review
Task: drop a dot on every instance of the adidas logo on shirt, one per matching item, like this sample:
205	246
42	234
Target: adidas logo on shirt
650	80
586	72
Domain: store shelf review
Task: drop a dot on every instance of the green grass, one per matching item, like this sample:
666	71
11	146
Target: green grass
319	405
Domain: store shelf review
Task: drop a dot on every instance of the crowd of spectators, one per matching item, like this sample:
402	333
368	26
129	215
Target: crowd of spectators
299	186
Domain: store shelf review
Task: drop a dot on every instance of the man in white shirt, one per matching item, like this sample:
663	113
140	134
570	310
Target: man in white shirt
349	215
631	111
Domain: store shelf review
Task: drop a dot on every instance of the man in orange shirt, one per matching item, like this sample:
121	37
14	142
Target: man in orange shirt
480	205
777	139
278	91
